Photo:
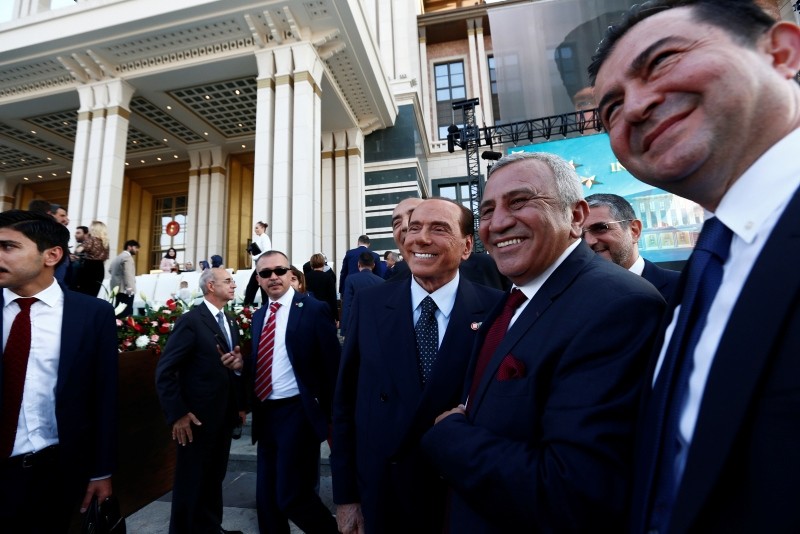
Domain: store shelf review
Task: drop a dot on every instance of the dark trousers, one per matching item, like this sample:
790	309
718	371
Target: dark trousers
128	301
200	468
38	499
251	289
288	452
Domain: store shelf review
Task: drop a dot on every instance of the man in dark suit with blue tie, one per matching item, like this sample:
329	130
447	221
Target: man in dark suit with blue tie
700	98
612	230
544	442
397	374
202	397
291	375
58	393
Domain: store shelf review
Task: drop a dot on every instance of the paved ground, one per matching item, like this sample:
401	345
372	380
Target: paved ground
239	495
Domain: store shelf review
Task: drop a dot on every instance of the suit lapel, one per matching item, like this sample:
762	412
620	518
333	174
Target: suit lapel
69	326
211	322
558	281
402	361
766	298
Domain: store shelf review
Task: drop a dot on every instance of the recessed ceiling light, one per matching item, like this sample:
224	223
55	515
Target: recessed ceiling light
244	146
126	163
175	156
25	178
159	159
54	174
237	92
22	160
205	133
39	176
208	97
165	139
49	158
169	107
141	161
33	132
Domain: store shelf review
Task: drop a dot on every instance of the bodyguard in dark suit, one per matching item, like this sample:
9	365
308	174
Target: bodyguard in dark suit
292	374
58	393
363	279
200	394
613	231
544	442
719	433
350	261
388	395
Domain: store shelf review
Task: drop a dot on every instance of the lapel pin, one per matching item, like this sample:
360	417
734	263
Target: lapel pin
298	304
475	326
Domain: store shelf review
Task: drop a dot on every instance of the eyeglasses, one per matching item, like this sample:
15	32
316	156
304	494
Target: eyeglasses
601	227
266	273
228	281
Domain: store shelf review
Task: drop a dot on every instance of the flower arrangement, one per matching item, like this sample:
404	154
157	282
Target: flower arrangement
151	330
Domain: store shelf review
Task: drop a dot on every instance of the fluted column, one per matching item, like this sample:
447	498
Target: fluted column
208	192
265	130
98	167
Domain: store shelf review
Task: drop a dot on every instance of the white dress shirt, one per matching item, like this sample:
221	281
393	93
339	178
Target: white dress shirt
37	427
531	288
214	311
638	266
445	299
284	382
750	208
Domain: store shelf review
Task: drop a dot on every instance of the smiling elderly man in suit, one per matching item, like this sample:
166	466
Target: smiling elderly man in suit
544	442
202	396
58	398
386	399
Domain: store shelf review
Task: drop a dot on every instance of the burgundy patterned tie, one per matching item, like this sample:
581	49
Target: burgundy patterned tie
494	336
264	358
15	365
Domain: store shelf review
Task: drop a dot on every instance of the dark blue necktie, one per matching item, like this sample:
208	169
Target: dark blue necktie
703	278
427	331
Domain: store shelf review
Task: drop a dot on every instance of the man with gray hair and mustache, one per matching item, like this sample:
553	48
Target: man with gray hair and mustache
543	440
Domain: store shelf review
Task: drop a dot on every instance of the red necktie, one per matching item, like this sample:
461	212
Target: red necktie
494	336
15	365
264	358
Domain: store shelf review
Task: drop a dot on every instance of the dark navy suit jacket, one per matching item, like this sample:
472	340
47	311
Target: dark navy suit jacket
355	283
743	466
664	280
381	409
350	264
550	449
313	349
86	388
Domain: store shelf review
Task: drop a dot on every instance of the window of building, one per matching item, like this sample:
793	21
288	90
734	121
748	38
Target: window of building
450	86
493	84
166	210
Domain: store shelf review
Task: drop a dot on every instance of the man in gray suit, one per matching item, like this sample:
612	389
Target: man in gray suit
123	276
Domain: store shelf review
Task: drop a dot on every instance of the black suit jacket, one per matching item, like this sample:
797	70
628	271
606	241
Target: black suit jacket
550	450
355	283
314	351
381	409
664	280
86	388
743	466
190	376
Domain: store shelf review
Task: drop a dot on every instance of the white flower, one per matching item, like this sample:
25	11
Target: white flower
142	341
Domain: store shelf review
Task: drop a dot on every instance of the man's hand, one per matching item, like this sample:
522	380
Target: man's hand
182	429
349	518
231	360
100	488
461	409
243	417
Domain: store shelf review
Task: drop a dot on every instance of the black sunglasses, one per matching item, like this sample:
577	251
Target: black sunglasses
266	273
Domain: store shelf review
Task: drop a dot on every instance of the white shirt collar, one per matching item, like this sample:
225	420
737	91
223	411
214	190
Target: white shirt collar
531	288
745	206
50	296
444	297
638	266
286	299
213	309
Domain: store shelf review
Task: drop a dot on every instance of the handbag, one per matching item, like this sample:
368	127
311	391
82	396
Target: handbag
253	249
104	518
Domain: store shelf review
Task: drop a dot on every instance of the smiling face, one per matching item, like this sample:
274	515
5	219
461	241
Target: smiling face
524	225
435	243
275	285
618	243
688	109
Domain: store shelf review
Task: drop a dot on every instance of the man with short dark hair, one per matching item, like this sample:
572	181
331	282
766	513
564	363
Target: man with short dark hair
385	401
542	442
60	214
58	392
291	375
203	400
699	98
123	276
350	261
612	230
355	283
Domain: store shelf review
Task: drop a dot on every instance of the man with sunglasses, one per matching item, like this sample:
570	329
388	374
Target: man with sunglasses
612	230
291	375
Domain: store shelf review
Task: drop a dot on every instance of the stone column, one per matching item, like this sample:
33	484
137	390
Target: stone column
487	113
265	126
328	197
98	166
427	112
206	204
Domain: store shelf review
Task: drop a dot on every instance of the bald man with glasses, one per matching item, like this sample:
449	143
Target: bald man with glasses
612	231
